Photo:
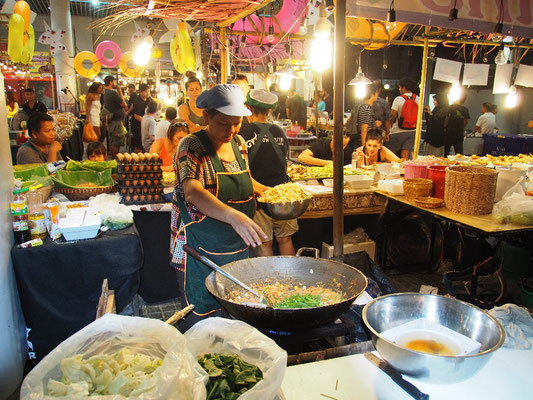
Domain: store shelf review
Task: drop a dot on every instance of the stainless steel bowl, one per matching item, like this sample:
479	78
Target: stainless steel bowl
389	311
287	210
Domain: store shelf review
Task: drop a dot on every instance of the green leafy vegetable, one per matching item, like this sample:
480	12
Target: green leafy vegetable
229	376
301	301
121	373
88	165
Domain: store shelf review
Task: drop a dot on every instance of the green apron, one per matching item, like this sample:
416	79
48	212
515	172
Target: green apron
213	238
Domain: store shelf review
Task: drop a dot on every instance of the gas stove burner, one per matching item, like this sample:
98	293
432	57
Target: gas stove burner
281	333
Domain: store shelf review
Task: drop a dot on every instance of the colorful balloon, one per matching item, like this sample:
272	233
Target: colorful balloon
23	9
111	46
130	71
14	39
185	45
176	55
87	72
29	47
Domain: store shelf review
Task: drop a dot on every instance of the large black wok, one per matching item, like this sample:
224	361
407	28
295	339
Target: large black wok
284	269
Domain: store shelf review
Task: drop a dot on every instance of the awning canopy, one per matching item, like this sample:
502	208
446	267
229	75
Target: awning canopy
474	15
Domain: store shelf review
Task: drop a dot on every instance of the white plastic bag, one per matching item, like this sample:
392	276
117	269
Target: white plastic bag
219	335
179	377
114	215
515	206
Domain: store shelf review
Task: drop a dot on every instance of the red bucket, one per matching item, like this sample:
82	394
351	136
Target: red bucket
437	173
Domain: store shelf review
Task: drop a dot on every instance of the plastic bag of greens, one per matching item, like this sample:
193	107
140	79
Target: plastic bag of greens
118	357
114	215
219	335
515	207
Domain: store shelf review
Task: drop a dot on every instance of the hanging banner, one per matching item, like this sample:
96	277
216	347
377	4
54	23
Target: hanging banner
447	70
476	74
502	78
524	76
474	15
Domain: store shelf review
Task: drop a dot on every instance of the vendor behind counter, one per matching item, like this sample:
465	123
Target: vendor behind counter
42	146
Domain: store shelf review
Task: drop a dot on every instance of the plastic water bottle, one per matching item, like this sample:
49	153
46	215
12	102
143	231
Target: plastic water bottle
19	212
354	160
35	213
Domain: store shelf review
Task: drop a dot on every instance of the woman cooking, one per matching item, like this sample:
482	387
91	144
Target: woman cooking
213	202
374	152
190	111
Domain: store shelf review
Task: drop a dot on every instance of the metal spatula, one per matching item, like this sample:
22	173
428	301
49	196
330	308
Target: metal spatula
193	252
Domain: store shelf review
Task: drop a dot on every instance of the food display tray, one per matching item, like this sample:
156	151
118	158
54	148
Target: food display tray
141	190
140	175
139	167
139	182
142	199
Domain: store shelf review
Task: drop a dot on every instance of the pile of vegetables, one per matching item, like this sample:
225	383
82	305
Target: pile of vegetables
300	301
229	376
122	373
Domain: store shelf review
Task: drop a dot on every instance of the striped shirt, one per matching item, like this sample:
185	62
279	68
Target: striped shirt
365	116
192	161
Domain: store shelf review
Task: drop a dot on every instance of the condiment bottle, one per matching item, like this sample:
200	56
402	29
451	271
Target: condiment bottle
35	213
354	160
19	211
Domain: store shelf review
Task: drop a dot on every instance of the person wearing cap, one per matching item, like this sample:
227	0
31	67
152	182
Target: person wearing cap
213	202
267	152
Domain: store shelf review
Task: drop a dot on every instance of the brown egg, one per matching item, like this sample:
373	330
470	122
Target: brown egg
127	198
138	190
157	196
148	182
142	157
123	191
148	167
145	189
126	167
141	167
135	182
142	197
152	189
149	197
120	157
127	183
135	158
155	182
128	157
142	182
135	197
131	190
149	157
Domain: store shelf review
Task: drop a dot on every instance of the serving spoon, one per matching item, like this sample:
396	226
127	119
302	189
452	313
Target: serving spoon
196	254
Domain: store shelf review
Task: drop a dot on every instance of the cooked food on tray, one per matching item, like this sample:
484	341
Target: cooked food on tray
121	373
286	295
301	172
229	375
168	178
87	185
284	193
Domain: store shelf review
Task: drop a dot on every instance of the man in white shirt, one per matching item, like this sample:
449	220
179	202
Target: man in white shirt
401	140
486	121
148	126
161	128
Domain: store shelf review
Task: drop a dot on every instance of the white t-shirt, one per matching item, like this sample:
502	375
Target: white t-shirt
147	131
397	105
161	129
486	123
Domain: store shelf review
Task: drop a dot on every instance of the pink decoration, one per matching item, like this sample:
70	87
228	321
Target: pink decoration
114	48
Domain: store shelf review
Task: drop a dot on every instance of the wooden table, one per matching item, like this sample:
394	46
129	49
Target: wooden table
481	223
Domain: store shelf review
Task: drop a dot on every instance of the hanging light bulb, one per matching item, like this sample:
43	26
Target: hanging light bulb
386	86
143	51
285	82
321	53
303	27
391	14
360	90
512	99
501	58
95	2
323	26
270	37
455	93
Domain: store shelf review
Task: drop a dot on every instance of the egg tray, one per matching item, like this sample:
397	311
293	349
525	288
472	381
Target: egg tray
140	175
139	182
129	199
141	190
139	167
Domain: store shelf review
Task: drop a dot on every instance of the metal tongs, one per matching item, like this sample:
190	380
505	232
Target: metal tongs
193	252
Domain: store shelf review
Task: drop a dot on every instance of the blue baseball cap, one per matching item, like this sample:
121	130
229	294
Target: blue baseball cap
227	99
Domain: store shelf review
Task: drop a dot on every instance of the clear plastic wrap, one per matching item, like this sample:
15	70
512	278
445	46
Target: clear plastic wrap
515	206
179	377
219	335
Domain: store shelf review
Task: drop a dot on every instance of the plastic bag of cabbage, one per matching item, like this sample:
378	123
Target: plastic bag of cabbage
119	357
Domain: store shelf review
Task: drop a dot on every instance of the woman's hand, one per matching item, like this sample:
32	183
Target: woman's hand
247	229
258	188
359	152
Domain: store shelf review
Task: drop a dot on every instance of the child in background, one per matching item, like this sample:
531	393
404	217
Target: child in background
96	151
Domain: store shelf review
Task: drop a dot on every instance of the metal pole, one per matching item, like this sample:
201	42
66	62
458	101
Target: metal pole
422	93
223	56
338	129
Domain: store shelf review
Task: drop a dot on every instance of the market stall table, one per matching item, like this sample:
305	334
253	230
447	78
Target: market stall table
59	284
506	376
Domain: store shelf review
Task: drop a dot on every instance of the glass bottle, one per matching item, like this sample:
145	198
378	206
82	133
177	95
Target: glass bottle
354	160
35	213
19	212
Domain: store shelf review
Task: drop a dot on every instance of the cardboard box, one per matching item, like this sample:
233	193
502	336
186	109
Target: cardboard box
369	247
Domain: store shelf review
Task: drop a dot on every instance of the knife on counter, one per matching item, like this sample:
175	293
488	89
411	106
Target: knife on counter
396	377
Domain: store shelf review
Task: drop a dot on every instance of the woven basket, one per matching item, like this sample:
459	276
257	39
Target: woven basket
470	190
429	202
417	187
83	193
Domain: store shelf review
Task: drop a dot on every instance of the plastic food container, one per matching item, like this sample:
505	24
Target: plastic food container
437	173
358	181
415	170
392	186
89	229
